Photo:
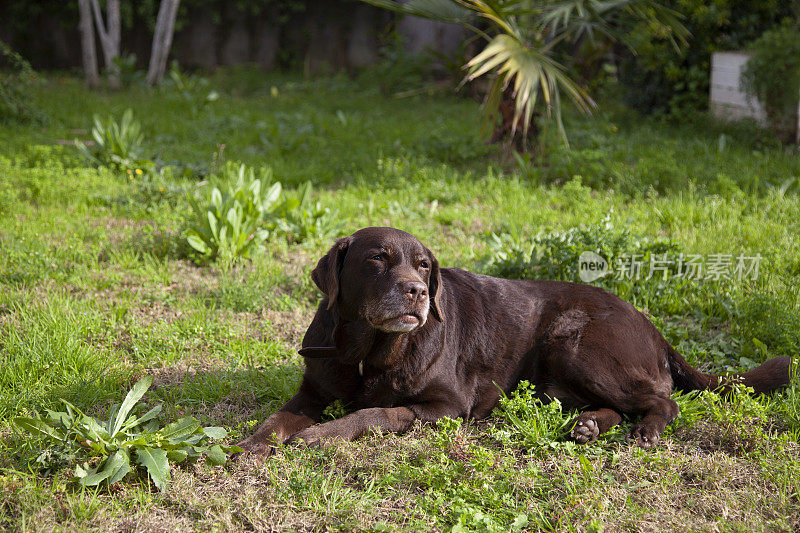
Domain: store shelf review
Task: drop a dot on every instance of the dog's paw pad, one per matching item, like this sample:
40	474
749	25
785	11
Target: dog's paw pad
585	430
644	437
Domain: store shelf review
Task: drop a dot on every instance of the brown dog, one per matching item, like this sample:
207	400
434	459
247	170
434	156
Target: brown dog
401	339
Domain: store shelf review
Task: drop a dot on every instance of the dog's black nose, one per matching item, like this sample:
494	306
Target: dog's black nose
414	290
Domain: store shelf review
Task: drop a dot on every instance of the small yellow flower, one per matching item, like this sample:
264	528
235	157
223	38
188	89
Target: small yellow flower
614	127
139	171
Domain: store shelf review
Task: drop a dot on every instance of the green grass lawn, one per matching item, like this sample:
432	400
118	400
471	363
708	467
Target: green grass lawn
98	288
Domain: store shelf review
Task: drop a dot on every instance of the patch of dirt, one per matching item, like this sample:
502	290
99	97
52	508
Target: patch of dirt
189	278
118	229
297	262
735	440
179	372
289	326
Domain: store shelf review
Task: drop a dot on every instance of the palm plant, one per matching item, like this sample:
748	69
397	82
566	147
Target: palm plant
522	40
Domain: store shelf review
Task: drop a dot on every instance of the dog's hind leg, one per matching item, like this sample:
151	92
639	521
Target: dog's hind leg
589	424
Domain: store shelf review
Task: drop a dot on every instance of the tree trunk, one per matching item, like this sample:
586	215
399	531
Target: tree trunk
162	41
109	37
89	53
504	131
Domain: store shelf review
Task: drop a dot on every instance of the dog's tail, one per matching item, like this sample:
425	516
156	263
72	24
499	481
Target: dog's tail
770	375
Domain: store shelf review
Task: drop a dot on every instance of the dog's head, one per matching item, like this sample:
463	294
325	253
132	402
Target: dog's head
384	276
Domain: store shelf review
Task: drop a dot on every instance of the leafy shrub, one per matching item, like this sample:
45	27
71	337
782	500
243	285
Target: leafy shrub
236	215
660	78
190	88
555	255
772	75
111	449
398	69
300	219
117	145
230	223
126	70
15	102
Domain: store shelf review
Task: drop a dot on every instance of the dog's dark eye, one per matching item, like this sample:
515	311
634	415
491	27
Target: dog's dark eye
424	264
377	257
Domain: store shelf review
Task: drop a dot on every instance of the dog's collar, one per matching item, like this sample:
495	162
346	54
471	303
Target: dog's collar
326	352
319	352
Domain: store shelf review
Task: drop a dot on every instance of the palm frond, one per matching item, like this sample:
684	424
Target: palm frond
520	54
575	19
533	76
441	10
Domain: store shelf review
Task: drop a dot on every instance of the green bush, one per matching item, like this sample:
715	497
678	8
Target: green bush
229	223
772	75
237	212
15	102
117	145
555	255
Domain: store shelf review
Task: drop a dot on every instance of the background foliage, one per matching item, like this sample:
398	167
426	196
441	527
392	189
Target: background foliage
772	75
659	78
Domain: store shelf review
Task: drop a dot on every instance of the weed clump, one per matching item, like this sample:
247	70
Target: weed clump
111	449
117	144
235	214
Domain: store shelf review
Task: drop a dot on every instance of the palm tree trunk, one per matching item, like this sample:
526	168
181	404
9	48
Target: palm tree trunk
504	131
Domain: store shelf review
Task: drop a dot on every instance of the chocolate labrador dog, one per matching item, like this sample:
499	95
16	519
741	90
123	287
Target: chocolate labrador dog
401	339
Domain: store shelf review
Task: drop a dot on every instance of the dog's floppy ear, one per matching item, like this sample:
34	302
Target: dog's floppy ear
326	275
435	289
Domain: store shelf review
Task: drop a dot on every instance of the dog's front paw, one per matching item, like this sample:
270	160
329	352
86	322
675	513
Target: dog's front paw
311	437
584	429
254	445
644	436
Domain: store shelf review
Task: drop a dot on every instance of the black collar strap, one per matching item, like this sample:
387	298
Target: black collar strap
326	352
319	352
